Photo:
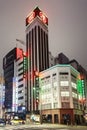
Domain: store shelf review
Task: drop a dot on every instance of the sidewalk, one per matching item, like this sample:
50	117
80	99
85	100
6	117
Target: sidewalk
48	125
44	125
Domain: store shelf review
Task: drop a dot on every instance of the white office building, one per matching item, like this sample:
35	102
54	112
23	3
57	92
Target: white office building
59	95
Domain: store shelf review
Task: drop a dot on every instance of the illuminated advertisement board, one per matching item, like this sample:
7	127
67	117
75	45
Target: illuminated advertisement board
36	12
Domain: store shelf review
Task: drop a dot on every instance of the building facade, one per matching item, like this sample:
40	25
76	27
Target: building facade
61	59
51	60
2	96
37	50
15	88
60	95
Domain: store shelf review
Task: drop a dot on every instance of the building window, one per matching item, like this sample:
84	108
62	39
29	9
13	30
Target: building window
55	84
65	99
63	73
74	95
73	85
20	80
21	91
20	74
47	77
65	105
64	94
20	69
20	63
55	105
64	88
64	83
54	74
75	105
20	98
46	106
21	85
73	76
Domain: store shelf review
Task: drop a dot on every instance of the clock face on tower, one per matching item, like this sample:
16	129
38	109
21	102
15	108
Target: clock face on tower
36	12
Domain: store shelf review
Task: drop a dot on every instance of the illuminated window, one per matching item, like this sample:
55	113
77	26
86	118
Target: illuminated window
55	84
74	95
48	86
64	93
55	105
55	95
73	85
64	83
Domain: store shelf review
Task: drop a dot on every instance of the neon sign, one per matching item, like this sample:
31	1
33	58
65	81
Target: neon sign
43	17
35	13
31	17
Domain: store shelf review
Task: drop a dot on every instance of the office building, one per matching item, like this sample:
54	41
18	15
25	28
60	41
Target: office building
2	96
14	77
51	60
37	49
60	95
61	59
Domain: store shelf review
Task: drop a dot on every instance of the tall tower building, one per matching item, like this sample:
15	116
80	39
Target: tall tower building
37	51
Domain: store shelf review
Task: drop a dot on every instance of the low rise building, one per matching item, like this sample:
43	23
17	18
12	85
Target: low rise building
60	95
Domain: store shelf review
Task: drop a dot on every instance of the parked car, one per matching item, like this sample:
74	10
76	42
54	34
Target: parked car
17	121
2	122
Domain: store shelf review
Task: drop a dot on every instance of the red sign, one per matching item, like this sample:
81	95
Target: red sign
35	13
43	17
19	53
30	17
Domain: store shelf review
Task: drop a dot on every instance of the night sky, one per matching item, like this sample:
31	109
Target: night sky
67	26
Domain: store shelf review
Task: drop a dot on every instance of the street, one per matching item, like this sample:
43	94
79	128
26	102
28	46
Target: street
43	127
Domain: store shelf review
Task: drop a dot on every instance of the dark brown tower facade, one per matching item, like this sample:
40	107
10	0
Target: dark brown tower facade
37	52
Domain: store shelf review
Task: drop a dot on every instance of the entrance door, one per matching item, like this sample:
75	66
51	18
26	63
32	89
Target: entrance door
56	118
